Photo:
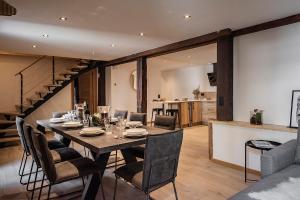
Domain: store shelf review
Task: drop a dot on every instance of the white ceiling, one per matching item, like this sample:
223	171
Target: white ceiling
93	25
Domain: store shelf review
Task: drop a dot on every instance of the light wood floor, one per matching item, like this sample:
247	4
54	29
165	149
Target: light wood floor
198	177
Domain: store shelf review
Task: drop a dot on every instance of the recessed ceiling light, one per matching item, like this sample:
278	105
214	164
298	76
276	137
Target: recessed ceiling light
189	56
187	16
63	18
93	52
34	46
113	45
141	34
45	35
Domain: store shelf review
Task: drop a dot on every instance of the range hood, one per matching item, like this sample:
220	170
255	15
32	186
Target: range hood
212	77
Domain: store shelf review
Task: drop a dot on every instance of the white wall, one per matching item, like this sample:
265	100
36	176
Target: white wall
119	91
229	143
266	70
34	80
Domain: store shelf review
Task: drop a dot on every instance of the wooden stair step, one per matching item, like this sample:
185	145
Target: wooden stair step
15	114
8	130
52	85
69	73
10	139
78	67
8	122
25	107
34	99
61	79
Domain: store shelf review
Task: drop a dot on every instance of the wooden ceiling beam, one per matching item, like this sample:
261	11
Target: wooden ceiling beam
170	48
267	25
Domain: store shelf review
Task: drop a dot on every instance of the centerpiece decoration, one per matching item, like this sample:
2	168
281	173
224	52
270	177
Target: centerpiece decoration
99	118
196	93
256	117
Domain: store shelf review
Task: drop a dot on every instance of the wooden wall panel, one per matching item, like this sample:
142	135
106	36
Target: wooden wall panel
142	85
225	76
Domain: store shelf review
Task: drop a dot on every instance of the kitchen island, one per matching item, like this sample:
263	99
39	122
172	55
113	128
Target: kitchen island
193	112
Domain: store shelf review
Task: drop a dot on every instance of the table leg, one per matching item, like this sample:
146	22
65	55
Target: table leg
128	156
245	163
94	181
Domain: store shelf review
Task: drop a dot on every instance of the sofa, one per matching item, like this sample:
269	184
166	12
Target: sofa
277	166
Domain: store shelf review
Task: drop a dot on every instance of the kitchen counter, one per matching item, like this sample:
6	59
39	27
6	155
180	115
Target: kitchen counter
181	101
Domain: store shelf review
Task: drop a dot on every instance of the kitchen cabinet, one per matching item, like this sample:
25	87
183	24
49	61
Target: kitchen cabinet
208	111
196	113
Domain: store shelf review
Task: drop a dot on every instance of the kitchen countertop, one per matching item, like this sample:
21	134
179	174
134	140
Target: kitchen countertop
200	100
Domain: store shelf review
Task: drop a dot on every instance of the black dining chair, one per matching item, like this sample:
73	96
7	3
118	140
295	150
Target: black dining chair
161	121
141	117
165	122
64	140
63	171
121	113
53	144
159	166
59	155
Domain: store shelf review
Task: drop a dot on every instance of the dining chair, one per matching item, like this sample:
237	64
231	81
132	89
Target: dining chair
121	113
62	139
59	155
165	122
159	167
57	173
161	121
141	117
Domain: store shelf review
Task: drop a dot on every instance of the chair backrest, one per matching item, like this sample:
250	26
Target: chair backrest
58	114
20	128
142	117
121	113
161	159
44	155
165	122
28	132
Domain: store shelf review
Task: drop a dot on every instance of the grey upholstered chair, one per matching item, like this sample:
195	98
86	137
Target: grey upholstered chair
121	113
142	117
62	171
165	122
159	166
53	144
59	155
64	140
161	121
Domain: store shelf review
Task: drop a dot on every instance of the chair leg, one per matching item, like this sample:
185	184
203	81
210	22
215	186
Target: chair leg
116	159
23	170
49	191
42	184
83	183
35	178
148	196
102	188
30	172
174	186
115	189
21	164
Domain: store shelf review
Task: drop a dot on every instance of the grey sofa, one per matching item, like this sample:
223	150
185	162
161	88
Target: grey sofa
277	166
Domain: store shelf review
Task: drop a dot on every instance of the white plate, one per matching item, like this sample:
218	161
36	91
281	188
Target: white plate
57	120
134	123
125	134
114	119
91	131
72	124
136	132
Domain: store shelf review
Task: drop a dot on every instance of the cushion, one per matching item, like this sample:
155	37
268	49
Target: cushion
63	154
132	173
297	155
75	168
269	182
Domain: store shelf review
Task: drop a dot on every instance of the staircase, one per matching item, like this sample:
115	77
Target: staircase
60	79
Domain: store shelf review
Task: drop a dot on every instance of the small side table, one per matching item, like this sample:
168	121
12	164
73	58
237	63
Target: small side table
259	145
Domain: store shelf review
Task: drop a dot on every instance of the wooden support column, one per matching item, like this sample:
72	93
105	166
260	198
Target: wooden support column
101	86
142	85
225	75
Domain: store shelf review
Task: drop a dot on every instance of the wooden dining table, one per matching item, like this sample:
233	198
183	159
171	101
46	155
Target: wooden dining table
100	147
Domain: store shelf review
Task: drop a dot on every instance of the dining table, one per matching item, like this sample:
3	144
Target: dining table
100	147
